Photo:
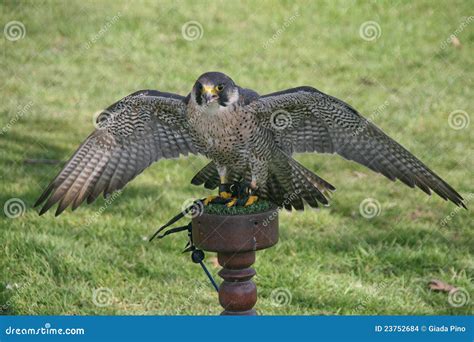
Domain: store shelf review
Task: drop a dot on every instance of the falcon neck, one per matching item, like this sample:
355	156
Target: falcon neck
211	111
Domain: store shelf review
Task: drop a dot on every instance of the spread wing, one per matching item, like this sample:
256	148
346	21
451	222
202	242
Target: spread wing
306	120
131	134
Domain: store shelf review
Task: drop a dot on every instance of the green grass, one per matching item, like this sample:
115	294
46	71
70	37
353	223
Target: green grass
222	209
75	59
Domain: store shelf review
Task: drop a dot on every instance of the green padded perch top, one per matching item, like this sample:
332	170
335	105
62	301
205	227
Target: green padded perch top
222	209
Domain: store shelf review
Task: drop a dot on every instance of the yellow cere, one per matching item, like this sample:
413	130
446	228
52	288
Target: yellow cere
209	89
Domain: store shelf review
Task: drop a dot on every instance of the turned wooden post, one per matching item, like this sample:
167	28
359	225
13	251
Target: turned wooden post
235	238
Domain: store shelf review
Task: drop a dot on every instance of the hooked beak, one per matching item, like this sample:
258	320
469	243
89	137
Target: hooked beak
209	94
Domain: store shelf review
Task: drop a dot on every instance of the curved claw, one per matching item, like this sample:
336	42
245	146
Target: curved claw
225	190
251	200
232	202
225	195
216	200
209	199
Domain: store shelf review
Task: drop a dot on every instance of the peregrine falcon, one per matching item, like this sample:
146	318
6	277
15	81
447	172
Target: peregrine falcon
249	139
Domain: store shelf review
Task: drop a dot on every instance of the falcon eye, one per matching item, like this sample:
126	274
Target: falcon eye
220	87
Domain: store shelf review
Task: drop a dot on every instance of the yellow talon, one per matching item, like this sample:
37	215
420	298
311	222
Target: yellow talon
209	199
251	200
231	203
225	194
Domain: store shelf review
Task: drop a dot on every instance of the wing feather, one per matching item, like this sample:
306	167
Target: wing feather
132	134
318	122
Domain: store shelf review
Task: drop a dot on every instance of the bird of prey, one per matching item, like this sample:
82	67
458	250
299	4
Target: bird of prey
249	139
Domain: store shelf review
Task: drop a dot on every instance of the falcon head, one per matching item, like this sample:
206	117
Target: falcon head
215	90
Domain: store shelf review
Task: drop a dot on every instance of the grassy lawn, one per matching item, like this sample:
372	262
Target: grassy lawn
78	57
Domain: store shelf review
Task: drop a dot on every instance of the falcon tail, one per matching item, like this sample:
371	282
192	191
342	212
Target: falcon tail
289	183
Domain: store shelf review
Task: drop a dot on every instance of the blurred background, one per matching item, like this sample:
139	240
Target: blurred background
406	66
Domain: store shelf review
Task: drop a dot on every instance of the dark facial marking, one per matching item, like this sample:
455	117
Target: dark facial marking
198	93
223	97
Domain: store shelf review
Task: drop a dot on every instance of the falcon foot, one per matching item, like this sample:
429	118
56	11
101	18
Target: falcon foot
244	201
242	195
251	200
224	197
234	194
